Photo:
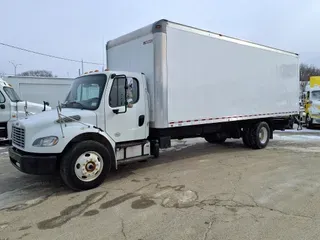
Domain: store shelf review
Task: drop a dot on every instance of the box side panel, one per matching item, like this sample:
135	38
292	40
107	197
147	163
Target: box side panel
135	56
213	79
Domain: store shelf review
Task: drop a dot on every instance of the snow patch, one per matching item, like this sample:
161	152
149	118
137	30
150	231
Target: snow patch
296	137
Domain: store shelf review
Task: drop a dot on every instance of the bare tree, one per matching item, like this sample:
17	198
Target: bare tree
38	73
306	71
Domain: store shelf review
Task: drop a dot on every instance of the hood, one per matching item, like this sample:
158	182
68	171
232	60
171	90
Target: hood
32	108
43	119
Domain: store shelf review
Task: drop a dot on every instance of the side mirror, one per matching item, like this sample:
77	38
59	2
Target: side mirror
44	105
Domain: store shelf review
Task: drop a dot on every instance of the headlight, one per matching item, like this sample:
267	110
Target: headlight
46	141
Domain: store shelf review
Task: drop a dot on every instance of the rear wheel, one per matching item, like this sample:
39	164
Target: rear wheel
259	135
85	165
246	137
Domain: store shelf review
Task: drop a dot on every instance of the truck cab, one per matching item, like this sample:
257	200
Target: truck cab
103	122
13	108
311	102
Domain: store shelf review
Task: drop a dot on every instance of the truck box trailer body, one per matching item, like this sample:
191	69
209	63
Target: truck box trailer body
198	77
39	89
165	81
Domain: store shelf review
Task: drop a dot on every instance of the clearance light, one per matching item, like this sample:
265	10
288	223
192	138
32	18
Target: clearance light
91	72
107	69
86	73
96	70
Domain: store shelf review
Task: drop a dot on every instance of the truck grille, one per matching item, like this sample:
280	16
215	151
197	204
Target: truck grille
18	136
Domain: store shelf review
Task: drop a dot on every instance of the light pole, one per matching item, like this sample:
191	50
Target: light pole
15	67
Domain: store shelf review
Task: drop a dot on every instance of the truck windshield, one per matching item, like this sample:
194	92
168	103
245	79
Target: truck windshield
315	95
86	92
14	97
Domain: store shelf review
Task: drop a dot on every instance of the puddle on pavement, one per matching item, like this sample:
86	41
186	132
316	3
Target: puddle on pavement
91	213
71	212
142	203
148	196
27	204
4	225
167	196
118	200
24	228
24	235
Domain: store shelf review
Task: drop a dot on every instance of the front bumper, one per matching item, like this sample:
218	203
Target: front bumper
37	164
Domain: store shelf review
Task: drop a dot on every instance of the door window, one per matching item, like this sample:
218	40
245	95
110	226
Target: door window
2	98
117	93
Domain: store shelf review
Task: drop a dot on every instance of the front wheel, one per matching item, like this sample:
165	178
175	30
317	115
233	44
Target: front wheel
85	165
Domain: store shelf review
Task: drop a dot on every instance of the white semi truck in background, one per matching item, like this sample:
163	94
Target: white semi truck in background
165	81
39	89
12	108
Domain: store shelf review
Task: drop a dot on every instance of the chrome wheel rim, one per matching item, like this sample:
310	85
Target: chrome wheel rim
88	166
263	135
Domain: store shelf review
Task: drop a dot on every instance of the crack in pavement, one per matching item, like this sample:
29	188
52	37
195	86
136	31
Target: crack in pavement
231	203
122	229
205	237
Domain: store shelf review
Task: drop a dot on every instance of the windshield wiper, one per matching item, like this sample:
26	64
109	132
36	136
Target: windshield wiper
74	102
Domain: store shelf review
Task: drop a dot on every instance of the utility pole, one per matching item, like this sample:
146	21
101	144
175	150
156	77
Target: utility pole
15	67
82	65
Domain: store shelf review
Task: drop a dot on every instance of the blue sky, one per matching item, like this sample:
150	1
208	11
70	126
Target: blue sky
79	29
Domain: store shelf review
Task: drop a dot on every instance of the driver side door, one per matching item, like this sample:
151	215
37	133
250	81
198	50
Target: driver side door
5	108
126	109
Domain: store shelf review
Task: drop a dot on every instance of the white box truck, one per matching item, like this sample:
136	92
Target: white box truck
13	108
39	89
165	81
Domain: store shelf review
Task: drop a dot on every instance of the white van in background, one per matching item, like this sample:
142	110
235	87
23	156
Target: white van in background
12	108
39	89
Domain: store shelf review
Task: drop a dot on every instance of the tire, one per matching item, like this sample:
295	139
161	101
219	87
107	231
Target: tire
309	124
80	154
255	137
156	150
246	137
216	138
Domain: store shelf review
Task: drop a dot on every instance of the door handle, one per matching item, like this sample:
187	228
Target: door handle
141	120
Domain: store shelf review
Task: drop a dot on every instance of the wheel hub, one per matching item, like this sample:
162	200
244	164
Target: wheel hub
263	135
88	166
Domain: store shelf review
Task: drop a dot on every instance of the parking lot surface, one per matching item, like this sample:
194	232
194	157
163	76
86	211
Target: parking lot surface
193	191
